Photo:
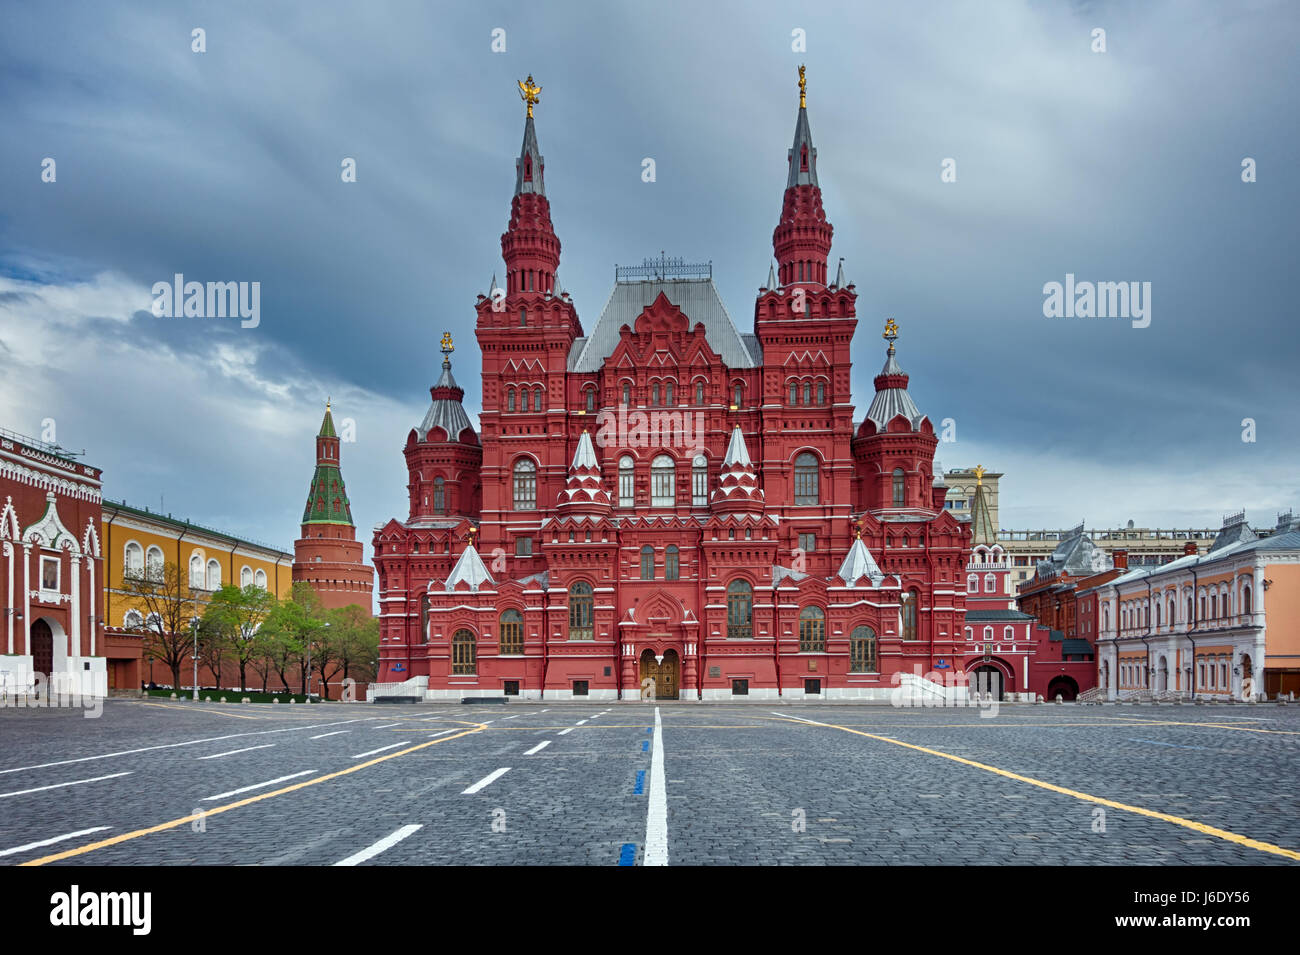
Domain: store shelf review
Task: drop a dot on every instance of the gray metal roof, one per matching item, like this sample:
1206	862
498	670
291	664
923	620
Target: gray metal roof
802	137
529	148
698	300
888	403
446	414
973	616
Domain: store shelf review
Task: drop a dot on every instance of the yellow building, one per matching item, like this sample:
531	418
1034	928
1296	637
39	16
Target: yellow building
140	542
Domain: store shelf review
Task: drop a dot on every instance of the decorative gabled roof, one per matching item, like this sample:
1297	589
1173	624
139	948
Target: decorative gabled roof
49	530
1235	531
584	489
327	424
737	481
327	498
859	563
780	573
697	299
470	570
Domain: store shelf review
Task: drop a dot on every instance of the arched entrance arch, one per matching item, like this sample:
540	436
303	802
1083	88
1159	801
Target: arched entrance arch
1248	691
1162	674
987	679
1062	686
663	672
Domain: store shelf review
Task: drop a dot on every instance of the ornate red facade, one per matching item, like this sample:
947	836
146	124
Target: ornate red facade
666	498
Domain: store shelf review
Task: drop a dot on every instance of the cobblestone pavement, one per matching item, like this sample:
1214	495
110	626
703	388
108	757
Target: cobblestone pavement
183	783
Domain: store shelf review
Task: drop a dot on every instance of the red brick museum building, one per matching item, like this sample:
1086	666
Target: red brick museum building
666	500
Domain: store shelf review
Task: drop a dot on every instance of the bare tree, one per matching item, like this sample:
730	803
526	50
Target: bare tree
168	603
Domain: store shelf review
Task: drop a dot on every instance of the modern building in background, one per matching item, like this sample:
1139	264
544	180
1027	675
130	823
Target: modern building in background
328	555
668	502
1223	624
52	619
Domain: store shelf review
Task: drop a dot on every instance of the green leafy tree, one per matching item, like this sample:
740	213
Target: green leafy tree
356	637
237	613
292	629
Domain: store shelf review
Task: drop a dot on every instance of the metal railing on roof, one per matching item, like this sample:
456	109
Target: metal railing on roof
38	445
664	267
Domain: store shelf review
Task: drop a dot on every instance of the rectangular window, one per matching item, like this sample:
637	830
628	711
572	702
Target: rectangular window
807	542
812	687
699	486
625	486
579	687
740	688
523	547
511	688
50	574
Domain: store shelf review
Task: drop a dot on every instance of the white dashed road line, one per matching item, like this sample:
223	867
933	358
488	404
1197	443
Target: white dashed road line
579	723
565	732
49	842
232	752
75	782
386	726
335	733
383	844
538	748
373	751
486	781
269	782
656	817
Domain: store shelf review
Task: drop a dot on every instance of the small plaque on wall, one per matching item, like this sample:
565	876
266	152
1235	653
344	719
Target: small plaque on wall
715	671
812	666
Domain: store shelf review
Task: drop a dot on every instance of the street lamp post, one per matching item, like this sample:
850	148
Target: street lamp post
194	630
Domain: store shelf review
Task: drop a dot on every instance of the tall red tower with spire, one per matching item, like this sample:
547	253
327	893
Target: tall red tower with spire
328	555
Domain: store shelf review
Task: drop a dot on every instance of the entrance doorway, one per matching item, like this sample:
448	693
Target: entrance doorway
665	673
985	682
40	644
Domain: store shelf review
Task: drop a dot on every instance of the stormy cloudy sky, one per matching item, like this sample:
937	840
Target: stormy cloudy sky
1115	166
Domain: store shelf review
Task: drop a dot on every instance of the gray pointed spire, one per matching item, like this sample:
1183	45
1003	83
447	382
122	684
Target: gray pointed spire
471	570
557	290
859	563
585	455
839	275
771	277
803	155
528	167
492	289
737	452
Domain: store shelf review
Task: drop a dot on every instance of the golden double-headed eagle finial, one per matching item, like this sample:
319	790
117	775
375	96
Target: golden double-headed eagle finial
803	88
891	331
979	474
447	346
528	92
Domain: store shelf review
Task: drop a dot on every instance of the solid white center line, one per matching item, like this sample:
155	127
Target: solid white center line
565	732
487	780
50	842
538	748
335	733
269	782
656	816
385	843
373	751
232	752
75	782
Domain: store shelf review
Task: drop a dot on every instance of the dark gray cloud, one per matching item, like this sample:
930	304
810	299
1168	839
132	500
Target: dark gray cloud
1123	165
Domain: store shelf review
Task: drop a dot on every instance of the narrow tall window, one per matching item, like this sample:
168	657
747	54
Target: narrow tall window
794	392
134	563
700	481
647	563
812	630
512	633
663	482
537	399
580	611
668	394
805	479
510	399
1245	600
525	485
439	496
627	393
626	486
699	392
862	650
807	392
672	563
464	654
898	487
654	395
909	615
591	399
821	392
740	610
736	395
523	318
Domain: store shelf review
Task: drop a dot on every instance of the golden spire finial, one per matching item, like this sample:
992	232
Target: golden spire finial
447	346
979	474
327	405
803	88
891	331
528	92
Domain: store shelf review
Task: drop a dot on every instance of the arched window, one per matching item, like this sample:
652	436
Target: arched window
133	621
812	630
805	478
1214	606
154	622
647	563
439	496
196	572
909	615
590	399
740	610
259	579
699	392
737	391
133	560
464	653
654	395
153	563
821	392
512	633
663	482
626	486
1157	616
510	399
246	576
1245	600
807	392
990	582
898	487
972	583
537	399
672	563
580	611
794	392
627	393
862	650
1008	633
668	394
523	318
700	481
525	485
214	575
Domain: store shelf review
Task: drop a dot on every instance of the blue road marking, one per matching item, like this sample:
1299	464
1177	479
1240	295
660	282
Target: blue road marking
649	729
627	855
645	745
1156	742
639	788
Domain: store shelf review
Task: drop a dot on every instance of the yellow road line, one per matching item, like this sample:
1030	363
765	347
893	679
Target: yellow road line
238	716
162	827
1086	797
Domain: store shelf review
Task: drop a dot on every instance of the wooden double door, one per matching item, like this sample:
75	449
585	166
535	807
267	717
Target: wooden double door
666	674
